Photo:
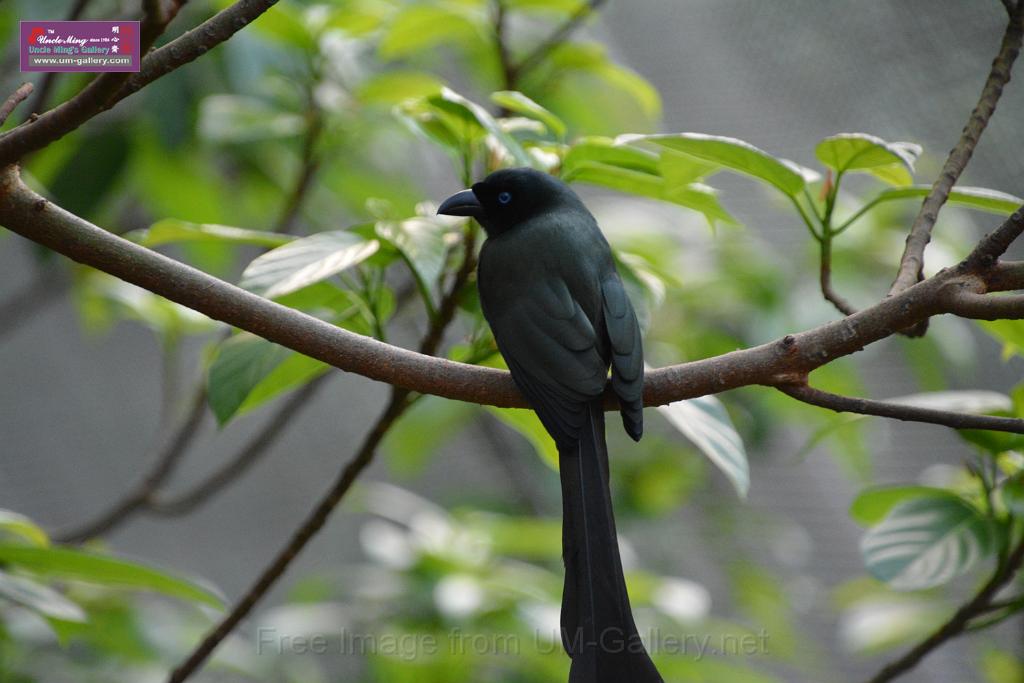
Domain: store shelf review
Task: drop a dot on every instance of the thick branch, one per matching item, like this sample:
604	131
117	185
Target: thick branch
900	411
959	622
110	88
912	262
788	359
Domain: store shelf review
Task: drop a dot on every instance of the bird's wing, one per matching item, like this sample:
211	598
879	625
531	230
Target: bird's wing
627	353
551	349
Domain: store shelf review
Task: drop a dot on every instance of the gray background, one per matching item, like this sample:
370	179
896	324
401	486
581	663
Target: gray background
79	416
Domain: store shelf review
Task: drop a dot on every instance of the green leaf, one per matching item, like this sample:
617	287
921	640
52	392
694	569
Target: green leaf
533	538
418	27
705	422
294	371
421	242
1013	494
682	169
421	432
979	198
454	103
393	87
16	524
873	504
695	196
306	261
1009	332
241	363
284	24
521	104
565	7
79	565
238	118
528	424
926	541
173	231
892	162
735	155
605	151
39	598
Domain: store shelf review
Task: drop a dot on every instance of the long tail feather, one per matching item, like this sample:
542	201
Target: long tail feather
598	631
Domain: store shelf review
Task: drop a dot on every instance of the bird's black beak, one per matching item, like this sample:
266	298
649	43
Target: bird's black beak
462	203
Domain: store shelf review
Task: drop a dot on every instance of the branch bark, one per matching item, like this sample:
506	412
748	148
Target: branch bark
399	401
110	88
785	360
138	498
912	262
15	98
514	72
900	411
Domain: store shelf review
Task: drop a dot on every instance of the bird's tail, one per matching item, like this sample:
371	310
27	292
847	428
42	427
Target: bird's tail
598	631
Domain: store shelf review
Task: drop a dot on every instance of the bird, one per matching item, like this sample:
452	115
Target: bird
561	319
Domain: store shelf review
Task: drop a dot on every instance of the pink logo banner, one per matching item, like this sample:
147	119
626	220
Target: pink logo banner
80	46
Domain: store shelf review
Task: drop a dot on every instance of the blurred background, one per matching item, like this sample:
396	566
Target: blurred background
456	523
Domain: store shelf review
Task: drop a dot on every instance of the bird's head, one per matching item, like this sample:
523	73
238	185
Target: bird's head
509	197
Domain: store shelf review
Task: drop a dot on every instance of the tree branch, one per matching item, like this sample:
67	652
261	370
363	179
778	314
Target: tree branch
144	498
45	289
246	457
785	360
15	98
514	72
912	262
138	498
108	89
900	411
312	524
399	401
825	277
976	306
959	622
42	94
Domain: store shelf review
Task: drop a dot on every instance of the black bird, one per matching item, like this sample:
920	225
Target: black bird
561	317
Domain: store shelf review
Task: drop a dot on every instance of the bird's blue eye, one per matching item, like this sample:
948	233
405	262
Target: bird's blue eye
504	197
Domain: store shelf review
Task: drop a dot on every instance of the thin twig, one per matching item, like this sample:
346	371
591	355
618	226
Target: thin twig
544	48
959	622
13	100
247	456
305	532
164	466
825	278
398	402
309	164
508	75
912	262
900	411
42	93
44	290
144	498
